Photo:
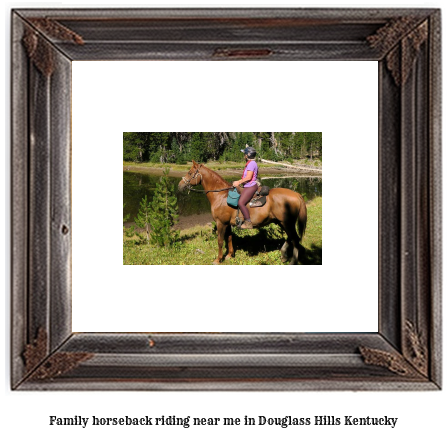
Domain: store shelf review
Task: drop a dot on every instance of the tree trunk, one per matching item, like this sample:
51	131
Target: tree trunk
303	146
274	143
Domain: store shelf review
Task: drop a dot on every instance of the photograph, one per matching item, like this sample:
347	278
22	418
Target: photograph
254	196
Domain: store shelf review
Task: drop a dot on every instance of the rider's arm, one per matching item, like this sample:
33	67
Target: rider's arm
247	178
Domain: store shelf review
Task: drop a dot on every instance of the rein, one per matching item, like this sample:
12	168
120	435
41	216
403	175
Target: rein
206	191
196	174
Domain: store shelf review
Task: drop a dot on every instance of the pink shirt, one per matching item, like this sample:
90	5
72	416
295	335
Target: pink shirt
254	168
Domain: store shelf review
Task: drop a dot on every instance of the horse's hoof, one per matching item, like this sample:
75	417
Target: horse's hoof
229	256
216	262
284	259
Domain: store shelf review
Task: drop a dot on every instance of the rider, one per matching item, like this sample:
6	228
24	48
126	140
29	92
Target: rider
250	185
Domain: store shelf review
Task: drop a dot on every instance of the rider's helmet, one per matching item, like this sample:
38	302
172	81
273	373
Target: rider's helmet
249	151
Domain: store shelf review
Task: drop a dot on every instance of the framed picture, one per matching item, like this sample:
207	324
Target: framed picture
405	352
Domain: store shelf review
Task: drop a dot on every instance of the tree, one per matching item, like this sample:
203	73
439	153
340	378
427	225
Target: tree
158	147
317	143
300	145
234	152
265	146
142	220
180	147
164	213
126	217
285	142
128	231
133	146
176	154
197	147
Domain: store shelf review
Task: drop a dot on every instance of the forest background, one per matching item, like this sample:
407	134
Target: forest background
181	147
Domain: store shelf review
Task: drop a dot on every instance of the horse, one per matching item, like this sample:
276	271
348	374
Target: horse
283	207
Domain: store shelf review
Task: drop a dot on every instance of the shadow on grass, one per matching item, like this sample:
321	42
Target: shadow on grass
311	256
260	243
257	244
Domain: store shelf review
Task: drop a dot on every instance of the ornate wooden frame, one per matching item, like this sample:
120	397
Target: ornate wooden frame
405	354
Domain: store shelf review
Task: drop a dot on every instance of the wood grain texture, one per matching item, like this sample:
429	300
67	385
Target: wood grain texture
60	202
435	195
39	200
19	201
390	236
405	354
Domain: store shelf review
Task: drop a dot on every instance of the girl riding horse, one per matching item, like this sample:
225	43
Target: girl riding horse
283	207
250	185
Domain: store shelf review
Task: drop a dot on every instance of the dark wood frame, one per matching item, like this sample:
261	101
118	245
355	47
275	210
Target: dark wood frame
405	354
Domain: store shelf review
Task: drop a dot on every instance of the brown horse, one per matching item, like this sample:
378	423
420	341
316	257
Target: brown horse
284	207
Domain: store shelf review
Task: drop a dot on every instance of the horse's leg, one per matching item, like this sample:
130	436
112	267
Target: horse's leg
286	251
287	248
292	238
229	242
221	228
295	254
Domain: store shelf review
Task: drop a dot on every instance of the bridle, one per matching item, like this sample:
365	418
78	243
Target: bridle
195	176
188	181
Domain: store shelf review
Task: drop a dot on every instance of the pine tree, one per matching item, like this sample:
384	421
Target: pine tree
175	151
126	217
164	213
248	138
197	147
133	146
130	230
142	220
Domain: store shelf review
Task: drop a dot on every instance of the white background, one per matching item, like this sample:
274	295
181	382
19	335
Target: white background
420	414
339	296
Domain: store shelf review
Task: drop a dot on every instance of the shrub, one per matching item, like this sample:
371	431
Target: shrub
164	213
142	220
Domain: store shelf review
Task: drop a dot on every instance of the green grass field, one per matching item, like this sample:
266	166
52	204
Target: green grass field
198	245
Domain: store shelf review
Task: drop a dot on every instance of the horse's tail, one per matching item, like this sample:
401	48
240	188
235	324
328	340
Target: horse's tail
302	218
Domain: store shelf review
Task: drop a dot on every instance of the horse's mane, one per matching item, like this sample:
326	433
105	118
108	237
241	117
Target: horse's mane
219	180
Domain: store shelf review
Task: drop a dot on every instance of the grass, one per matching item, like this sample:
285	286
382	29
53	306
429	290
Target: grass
198	245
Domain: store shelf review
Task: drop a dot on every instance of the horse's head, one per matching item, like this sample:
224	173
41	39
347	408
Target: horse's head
192	178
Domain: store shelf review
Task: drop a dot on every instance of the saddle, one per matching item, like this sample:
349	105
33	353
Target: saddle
258	200
260	196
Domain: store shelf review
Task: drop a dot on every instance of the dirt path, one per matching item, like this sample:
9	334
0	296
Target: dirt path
191	221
